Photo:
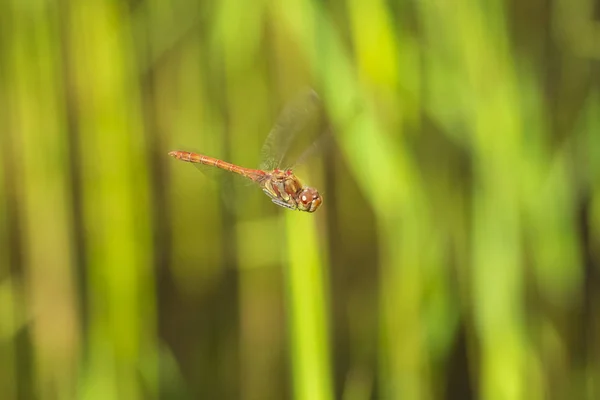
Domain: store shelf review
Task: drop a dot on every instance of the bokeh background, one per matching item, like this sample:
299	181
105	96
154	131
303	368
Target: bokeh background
456	255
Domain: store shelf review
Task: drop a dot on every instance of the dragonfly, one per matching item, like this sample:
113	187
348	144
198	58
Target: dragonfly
282	186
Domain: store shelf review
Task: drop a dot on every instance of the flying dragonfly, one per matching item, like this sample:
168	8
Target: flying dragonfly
281	185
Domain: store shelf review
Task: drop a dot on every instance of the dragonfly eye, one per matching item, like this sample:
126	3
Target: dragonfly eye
309	200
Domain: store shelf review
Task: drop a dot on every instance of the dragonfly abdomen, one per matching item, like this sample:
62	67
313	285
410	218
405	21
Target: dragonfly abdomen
215	162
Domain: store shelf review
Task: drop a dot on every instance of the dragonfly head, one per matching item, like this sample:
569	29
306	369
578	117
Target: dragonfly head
309	199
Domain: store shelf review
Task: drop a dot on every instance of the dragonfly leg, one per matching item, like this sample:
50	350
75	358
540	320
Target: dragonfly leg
283	204
275	199
269	193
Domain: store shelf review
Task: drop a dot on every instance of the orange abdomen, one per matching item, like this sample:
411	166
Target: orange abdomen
187	156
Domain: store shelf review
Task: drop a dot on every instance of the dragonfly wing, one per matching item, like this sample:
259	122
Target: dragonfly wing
234	189
322	144
294	118
324	141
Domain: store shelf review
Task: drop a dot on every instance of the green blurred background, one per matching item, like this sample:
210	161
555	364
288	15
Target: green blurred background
456	255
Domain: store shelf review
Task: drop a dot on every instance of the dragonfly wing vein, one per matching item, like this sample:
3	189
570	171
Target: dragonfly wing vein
294	117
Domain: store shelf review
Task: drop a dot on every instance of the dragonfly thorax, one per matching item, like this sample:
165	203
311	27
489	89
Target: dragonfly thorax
286	190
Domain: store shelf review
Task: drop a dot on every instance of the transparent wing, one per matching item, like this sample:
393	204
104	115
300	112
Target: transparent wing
235	191
297	115
323	144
